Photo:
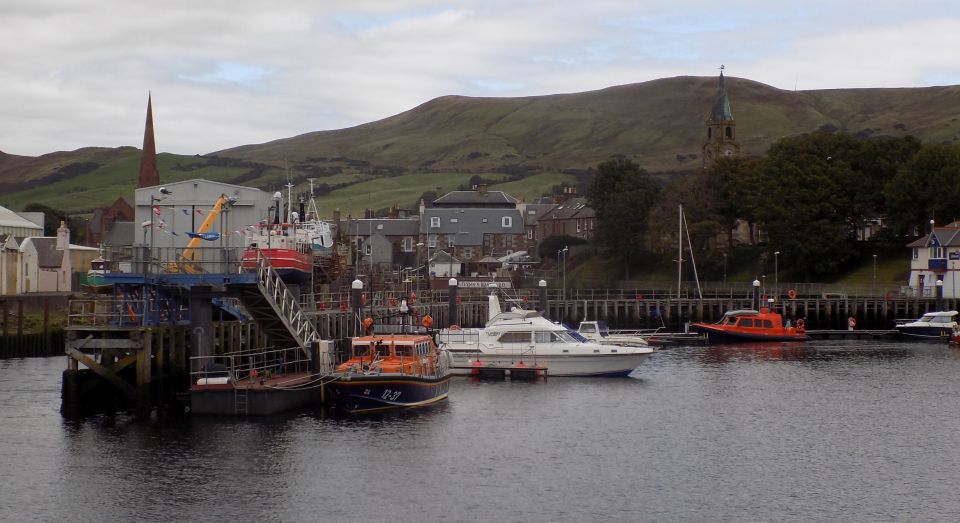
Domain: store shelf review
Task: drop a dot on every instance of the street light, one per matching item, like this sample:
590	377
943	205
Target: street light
776	274
873	290
153	217
563	293
724	269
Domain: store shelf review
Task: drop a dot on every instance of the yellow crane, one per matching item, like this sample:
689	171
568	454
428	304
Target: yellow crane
187	260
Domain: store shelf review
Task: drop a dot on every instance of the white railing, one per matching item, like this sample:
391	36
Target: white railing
284	303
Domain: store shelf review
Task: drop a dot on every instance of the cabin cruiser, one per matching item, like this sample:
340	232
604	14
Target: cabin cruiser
524	336
932	325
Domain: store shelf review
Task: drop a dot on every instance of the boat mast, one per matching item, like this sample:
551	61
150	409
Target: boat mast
679	249
692	260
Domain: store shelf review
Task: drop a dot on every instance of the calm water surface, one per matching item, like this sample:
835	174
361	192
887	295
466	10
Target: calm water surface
829	431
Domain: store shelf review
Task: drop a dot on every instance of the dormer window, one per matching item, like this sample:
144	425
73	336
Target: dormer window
506	221
454	220
379	226
434	222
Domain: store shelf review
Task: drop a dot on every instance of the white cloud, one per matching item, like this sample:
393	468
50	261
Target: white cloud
230	73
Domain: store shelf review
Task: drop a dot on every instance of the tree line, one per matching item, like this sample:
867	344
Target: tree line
809	195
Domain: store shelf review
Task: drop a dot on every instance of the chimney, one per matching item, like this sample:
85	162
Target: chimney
63	237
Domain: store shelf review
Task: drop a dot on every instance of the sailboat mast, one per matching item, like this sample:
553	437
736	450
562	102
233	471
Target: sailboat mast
679	249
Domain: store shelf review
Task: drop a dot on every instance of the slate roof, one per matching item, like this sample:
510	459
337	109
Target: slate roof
47	254
535	211
572	208
948	236
384	226
475	198
470	226
442	257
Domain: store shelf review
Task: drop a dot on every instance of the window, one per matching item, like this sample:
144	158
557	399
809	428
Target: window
507	221
916	253
432	241
730	132
434	222
454	220
578	225
368	249
450	238
468	252
529	234
484	220
745	322
709	132
408	244
515	337
379	226
767	324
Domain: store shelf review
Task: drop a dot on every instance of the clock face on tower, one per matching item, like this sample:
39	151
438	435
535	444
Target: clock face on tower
728	150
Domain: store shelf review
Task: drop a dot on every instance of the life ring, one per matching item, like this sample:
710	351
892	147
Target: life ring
851	322
454	327
792	294
801	325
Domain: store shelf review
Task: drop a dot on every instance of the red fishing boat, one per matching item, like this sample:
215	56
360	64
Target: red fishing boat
287	249
751	325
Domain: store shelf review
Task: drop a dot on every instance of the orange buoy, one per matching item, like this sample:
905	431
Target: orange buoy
367	323
427	321
792	294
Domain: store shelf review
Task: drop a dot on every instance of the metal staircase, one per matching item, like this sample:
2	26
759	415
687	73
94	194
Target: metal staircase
277	310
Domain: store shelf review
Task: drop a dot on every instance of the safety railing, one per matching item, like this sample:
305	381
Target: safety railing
233	367
284	303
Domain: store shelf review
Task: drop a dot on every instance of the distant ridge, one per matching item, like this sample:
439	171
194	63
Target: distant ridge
659	124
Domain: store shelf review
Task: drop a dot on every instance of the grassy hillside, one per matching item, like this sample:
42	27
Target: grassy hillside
659	124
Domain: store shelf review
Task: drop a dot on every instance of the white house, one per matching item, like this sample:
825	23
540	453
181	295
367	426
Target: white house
41	263
936	257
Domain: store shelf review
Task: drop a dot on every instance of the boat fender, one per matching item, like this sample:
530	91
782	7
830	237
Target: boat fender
801	325
851	323
454	327
792	294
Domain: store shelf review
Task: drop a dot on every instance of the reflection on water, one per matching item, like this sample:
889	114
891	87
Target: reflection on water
827	431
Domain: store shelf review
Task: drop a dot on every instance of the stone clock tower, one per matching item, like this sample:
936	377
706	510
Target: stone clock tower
721	129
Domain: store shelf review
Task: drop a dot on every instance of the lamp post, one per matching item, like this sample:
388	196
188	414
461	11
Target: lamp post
724	269
873	289
153	216
564	291
776	275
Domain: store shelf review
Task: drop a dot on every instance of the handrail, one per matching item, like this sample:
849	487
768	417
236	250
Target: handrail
284	302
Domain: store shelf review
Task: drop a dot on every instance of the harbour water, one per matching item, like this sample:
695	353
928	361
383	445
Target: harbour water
822	431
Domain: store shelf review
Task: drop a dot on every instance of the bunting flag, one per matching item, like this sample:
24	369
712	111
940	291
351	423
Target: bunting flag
200	211
156	210
146	223
209	236
186	212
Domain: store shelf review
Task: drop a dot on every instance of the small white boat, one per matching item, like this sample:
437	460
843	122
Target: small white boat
524	336
932	325
598	332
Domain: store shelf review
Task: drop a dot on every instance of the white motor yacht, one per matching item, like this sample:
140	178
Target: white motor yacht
519	335
932	325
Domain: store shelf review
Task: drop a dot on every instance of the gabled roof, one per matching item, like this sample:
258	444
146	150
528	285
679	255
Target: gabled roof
948	236
572	208
47	254
9	218
535	211
384	226
469	225
443	257
472	198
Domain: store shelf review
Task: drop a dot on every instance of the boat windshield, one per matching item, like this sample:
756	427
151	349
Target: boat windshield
577	336
937	318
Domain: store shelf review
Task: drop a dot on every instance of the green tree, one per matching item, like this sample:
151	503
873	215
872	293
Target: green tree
925	188
622	194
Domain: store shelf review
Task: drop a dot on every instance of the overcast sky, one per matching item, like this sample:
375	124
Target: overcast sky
228	73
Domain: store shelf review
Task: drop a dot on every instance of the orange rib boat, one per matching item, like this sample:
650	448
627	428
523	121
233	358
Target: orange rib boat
751	325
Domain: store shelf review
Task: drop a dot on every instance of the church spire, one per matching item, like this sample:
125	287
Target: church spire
721	104
149	175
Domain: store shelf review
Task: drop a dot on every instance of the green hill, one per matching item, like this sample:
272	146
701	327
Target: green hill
659	124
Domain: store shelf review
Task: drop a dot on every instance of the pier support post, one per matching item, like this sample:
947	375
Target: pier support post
756	294
452	310
542	285
356	298
201	321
